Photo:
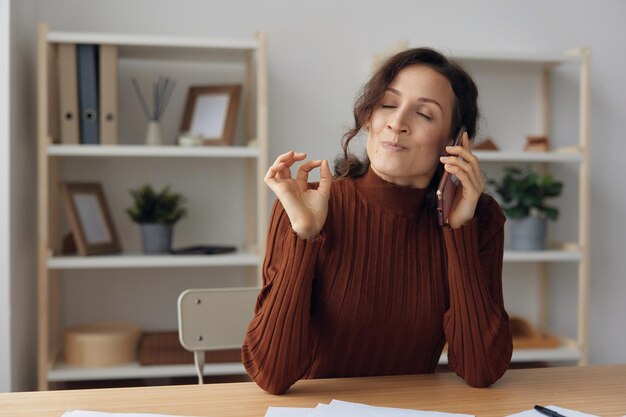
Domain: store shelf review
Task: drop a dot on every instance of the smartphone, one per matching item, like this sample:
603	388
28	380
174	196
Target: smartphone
446	191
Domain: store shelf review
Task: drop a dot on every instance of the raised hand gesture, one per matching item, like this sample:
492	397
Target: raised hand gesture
306	208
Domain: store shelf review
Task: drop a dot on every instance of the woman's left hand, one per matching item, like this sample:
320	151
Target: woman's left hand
471	183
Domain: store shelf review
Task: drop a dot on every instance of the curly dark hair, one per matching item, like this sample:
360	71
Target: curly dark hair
465	112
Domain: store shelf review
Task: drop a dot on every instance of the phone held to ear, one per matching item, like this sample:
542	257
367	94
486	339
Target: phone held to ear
447	188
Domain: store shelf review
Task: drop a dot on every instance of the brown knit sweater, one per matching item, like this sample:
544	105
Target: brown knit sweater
380	291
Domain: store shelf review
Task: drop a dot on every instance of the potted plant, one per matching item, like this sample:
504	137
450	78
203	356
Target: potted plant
523	194
156	214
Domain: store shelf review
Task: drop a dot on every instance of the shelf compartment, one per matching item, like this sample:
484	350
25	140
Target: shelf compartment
64	372
527	156
542	256
138	260
171	151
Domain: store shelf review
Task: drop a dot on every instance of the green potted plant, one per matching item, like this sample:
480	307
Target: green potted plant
523	193
156	213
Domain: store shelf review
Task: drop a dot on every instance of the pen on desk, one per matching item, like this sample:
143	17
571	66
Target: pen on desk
547	411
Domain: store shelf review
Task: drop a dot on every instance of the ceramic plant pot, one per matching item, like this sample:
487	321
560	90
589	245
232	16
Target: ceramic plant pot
156	238
528	233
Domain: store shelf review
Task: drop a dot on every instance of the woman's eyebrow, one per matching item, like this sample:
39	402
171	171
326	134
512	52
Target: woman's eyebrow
421	99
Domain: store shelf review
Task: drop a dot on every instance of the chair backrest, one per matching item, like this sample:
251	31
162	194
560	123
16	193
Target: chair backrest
214	319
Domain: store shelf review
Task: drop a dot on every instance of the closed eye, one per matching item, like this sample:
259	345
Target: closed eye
425	116
388	106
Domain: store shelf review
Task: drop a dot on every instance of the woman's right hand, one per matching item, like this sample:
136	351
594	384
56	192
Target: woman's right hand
307	208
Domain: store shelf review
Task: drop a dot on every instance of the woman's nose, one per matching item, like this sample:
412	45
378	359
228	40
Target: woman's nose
398	124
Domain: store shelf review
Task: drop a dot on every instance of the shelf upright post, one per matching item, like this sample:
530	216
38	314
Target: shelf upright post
262	138
583	226
542	267
251	165
43	140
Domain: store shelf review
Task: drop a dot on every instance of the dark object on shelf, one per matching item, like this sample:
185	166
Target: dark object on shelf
68	245
203	250
486	144
537	143
164	348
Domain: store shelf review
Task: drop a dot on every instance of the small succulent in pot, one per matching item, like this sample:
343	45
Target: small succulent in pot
523	194
156	213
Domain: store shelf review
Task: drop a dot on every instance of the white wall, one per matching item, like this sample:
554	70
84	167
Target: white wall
23	193
5	266
320	53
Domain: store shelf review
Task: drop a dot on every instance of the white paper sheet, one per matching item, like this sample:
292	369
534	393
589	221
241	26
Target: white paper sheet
288	412
560	410
347	409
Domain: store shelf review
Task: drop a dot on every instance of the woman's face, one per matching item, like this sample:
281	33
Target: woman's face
410	127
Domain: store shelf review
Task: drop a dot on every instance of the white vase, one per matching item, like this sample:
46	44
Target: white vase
153	133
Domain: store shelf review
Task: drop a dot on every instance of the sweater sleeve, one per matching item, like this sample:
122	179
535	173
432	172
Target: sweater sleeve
278	343
476	325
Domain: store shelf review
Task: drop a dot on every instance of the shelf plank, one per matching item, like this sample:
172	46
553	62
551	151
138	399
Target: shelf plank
516	57
64	372
542	256
246	259
523	156
159	48
169	151
152	261
159	41
560	354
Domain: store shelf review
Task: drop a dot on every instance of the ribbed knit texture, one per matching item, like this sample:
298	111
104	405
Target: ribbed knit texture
380	291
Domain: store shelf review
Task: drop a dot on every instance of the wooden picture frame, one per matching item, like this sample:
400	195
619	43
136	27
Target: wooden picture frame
211	113
89	217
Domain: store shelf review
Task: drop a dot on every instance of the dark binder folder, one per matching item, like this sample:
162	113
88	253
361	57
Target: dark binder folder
87	60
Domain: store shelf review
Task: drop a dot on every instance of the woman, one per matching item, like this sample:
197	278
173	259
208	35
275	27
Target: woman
359	278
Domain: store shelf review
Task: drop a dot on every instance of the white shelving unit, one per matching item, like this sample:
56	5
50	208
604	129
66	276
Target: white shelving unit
251	54
574	154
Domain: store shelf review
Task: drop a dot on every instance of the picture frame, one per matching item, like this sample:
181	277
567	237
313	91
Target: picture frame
211	113
89	217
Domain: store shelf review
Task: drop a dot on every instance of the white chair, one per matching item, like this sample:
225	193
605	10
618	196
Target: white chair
214	319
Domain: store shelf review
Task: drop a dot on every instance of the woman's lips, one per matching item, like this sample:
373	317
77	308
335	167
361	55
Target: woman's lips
390	146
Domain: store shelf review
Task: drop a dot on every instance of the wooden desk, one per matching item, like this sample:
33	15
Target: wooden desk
599	390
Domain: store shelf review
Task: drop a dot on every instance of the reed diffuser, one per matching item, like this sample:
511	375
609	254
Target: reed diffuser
161	93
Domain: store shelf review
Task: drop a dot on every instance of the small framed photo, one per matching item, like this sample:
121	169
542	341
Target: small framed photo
89	218
211	113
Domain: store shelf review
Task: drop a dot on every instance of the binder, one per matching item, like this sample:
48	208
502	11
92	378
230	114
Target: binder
87	59
108	95
68	94
54	130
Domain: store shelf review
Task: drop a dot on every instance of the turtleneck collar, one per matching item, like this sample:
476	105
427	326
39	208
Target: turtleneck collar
403	200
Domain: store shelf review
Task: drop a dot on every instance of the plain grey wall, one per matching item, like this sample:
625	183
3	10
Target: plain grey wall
5	265
320	53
